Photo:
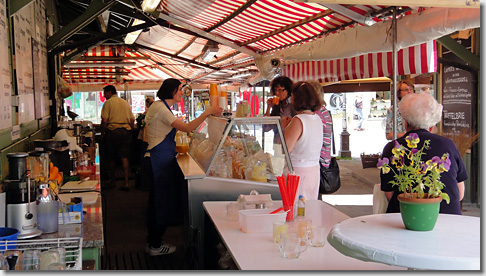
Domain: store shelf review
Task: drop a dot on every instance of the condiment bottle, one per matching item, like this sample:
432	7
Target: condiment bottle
301	206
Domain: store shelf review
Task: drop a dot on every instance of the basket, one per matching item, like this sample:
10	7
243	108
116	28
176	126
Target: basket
369	160
73	247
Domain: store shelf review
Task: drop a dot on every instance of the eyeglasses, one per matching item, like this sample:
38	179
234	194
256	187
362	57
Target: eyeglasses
280	90
406	89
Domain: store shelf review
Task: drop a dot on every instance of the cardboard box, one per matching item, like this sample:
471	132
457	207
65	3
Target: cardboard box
75	211
74	217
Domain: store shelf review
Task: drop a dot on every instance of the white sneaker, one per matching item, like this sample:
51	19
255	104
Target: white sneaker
163	249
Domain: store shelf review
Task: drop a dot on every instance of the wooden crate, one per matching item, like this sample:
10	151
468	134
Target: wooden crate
369	160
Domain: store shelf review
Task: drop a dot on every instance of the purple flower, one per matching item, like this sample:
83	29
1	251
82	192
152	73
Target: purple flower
412	140
383	165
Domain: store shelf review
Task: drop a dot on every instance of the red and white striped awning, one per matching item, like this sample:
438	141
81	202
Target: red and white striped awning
144	70
413	60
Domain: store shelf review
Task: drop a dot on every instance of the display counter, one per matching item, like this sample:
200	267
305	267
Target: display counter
229	157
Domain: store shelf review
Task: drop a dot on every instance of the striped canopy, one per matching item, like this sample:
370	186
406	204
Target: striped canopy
247	33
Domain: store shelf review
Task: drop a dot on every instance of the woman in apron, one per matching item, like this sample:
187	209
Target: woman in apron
167	195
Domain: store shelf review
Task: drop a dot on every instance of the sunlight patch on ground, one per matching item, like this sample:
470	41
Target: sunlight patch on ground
363	200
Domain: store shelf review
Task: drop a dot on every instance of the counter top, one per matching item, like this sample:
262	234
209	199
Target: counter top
189	167
91	229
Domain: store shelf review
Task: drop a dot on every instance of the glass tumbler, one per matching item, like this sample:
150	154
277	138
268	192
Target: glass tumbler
182	142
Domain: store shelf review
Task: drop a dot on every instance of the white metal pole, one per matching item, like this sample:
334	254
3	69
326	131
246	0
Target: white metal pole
394	83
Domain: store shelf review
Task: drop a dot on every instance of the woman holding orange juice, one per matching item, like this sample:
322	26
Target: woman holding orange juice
280	104
160	167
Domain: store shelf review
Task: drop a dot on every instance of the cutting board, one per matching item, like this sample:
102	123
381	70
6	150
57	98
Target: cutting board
89	198
75	185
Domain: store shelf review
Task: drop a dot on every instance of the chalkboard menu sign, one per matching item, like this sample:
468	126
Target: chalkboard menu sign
458	92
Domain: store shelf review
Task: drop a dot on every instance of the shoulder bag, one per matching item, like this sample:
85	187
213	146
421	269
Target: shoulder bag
330	178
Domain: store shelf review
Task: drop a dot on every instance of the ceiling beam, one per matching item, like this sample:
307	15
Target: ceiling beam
88	73
345	11
105	58
95	8
15	5
323	33
169	71
202	75
409	3
311	37
231	16
225	57
93	40
207	35
189	43
460	51
290	26
198	64
99	64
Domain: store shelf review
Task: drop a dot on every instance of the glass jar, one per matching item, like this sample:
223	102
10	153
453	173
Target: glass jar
182	142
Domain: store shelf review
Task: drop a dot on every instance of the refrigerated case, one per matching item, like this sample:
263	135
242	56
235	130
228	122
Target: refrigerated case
235	156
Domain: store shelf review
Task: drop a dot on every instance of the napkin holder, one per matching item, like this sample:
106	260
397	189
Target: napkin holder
260	201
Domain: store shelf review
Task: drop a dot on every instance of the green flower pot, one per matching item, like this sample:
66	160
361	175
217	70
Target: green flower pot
419	214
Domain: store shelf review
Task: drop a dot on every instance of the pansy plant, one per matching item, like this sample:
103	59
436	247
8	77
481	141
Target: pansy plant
414	176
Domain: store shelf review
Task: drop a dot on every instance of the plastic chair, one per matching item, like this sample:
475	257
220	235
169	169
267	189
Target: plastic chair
380	203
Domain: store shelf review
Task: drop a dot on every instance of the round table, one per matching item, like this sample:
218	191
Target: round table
453	244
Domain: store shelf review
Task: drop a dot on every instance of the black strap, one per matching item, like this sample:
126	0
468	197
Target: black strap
332	132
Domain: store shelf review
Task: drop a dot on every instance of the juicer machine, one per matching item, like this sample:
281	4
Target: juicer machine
20	191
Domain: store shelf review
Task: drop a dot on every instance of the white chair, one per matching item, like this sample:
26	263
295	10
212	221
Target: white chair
380	203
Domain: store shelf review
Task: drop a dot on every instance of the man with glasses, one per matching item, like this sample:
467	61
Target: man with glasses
404	87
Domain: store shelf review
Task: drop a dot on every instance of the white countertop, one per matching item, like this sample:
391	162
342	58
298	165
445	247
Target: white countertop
257	251
453	244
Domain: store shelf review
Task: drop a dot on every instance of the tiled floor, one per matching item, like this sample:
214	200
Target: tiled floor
125	234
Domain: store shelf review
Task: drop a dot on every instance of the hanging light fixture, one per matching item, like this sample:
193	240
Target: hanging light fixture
209	51
148	6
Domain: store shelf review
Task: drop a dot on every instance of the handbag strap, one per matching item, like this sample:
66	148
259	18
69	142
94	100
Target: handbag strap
332	133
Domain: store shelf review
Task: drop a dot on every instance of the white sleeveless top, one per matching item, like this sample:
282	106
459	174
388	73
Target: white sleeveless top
307	150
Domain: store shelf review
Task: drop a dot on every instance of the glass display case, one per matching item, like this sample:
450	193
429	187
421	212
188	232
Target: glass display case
241	148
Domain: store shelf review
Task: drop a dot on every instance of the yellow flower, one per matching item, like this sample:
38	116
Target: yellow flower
412	140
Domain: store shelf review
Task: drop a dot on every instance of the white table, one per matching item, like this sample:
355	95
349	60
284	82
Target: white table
453	244
257	251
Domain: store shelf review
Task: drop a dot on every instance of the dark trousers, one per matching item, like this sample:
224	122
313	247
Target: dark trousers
155	231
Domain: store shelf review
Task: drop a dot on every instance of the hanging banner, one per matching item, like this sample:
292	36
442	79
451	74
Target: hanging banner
413	60
23	24
5	89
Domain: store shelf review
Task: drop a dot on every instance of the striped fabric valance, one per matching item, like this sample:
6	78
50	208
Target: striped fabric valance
413	60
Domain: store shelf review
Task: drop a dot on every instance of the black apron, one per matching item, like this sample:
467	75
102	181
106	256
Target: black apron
168	183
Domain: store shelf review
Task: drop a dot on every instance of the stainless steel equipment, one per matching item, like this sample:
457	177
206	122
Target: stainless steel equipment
20	194
3	209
